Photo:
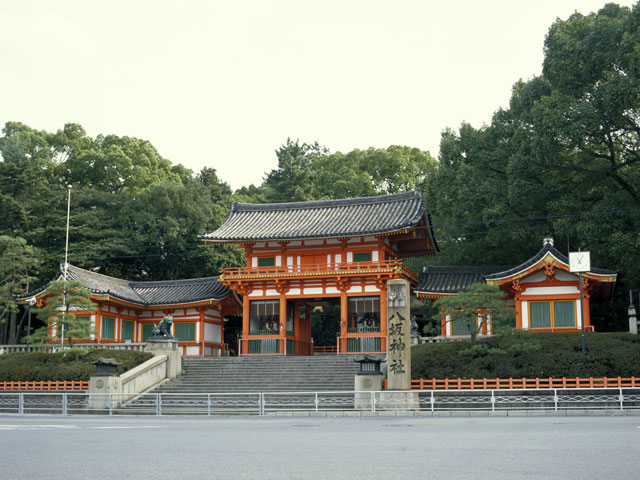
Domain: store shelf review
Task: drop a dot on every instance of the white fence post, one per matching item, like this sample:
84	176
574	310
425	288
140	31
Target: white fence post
21	403
621	400
64	404
208	404
555	399
317	402
433	401
158	404
493	400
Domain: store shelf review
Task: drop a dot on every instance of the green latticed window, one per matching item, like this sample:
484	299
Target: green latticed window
185	332
108	327
127	330
459	326
147	330
559	314
362	257
266	261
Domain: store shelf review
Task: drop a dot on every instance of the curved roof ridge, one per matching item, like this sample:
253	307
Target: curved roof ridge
341	202
547	248
168	283
323	219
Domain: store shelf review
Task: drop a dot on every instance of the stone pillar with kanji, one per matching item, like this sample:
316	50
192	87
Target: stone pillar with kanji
398	335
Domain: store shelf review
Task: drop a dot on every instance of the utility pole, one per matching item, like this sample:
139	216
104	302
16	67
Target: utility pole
580	262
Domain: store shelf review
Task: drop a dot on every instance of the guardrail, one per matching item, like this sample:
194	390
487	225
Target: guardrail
272	403
53	348
395	267
524	383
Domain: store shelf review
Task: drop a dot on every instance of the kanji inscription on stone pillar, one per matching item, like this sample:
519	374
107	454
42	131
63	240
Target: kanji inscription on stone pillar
398	336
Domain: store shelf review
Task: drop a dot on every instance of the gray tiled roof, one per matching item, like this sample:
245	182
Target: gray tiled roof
169	292
443	280
320	219
547	248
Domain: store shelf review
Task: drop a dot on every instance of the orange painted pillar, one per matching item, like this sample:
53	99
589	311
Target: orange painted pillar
201	339
243	346
586	313
519	313
343	321
283	324
383	319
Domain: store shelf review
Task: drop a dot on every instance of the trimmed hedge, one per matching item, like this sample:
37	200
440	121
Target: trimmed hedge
72	364
530	355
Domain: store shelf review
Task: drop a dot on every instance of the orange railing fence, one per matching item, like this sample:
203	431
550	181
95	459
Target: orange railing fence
520	383
46	385
325	348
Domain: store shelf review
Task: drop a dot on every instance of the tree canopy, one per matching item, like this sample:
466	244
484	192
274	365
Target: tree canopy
562	159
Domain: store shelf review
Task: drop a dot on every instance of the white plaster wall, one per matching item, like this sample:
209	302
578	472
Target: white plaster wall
448	325
328	259
313	242
254	262
212	333
349	257
536	277
371	288
355	289
578	310
208	351
313	291
332	290
294	291
525	314
566	276
374	256
256	293
193	350
278	260
271	292
338	258
550	291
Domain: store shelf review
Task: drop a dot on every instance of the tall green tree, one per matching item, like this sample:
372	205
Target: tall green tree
293	181
18	266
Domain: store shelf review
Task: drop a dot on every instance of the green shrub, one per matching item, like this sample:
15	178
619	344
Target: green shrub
72	364
530	355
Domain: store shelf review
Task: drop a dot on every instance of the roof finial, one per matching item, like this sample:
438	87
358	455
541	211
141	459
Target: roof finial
547	241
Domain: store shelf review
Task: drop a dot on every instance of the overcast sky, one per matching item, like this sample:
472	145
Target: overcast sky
224	83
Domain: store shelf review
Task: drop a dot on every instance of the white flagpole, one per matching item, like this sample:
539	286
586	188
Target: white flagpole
66	263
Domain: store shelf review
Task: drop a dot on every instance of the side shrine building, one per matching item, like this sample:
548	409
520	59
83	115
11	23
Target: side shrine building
313	254
127	311
544	293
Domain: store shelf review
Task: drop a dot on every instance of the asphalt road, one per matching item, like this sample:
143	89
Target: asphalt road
320	448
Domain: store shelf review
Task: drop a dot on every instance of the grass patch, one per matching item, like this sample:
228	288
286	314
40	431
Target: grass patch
530	355
72	364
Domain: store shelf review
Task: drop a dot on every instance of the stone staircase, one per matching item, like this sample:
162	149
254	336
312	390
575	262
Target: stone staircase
239	385
264	374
